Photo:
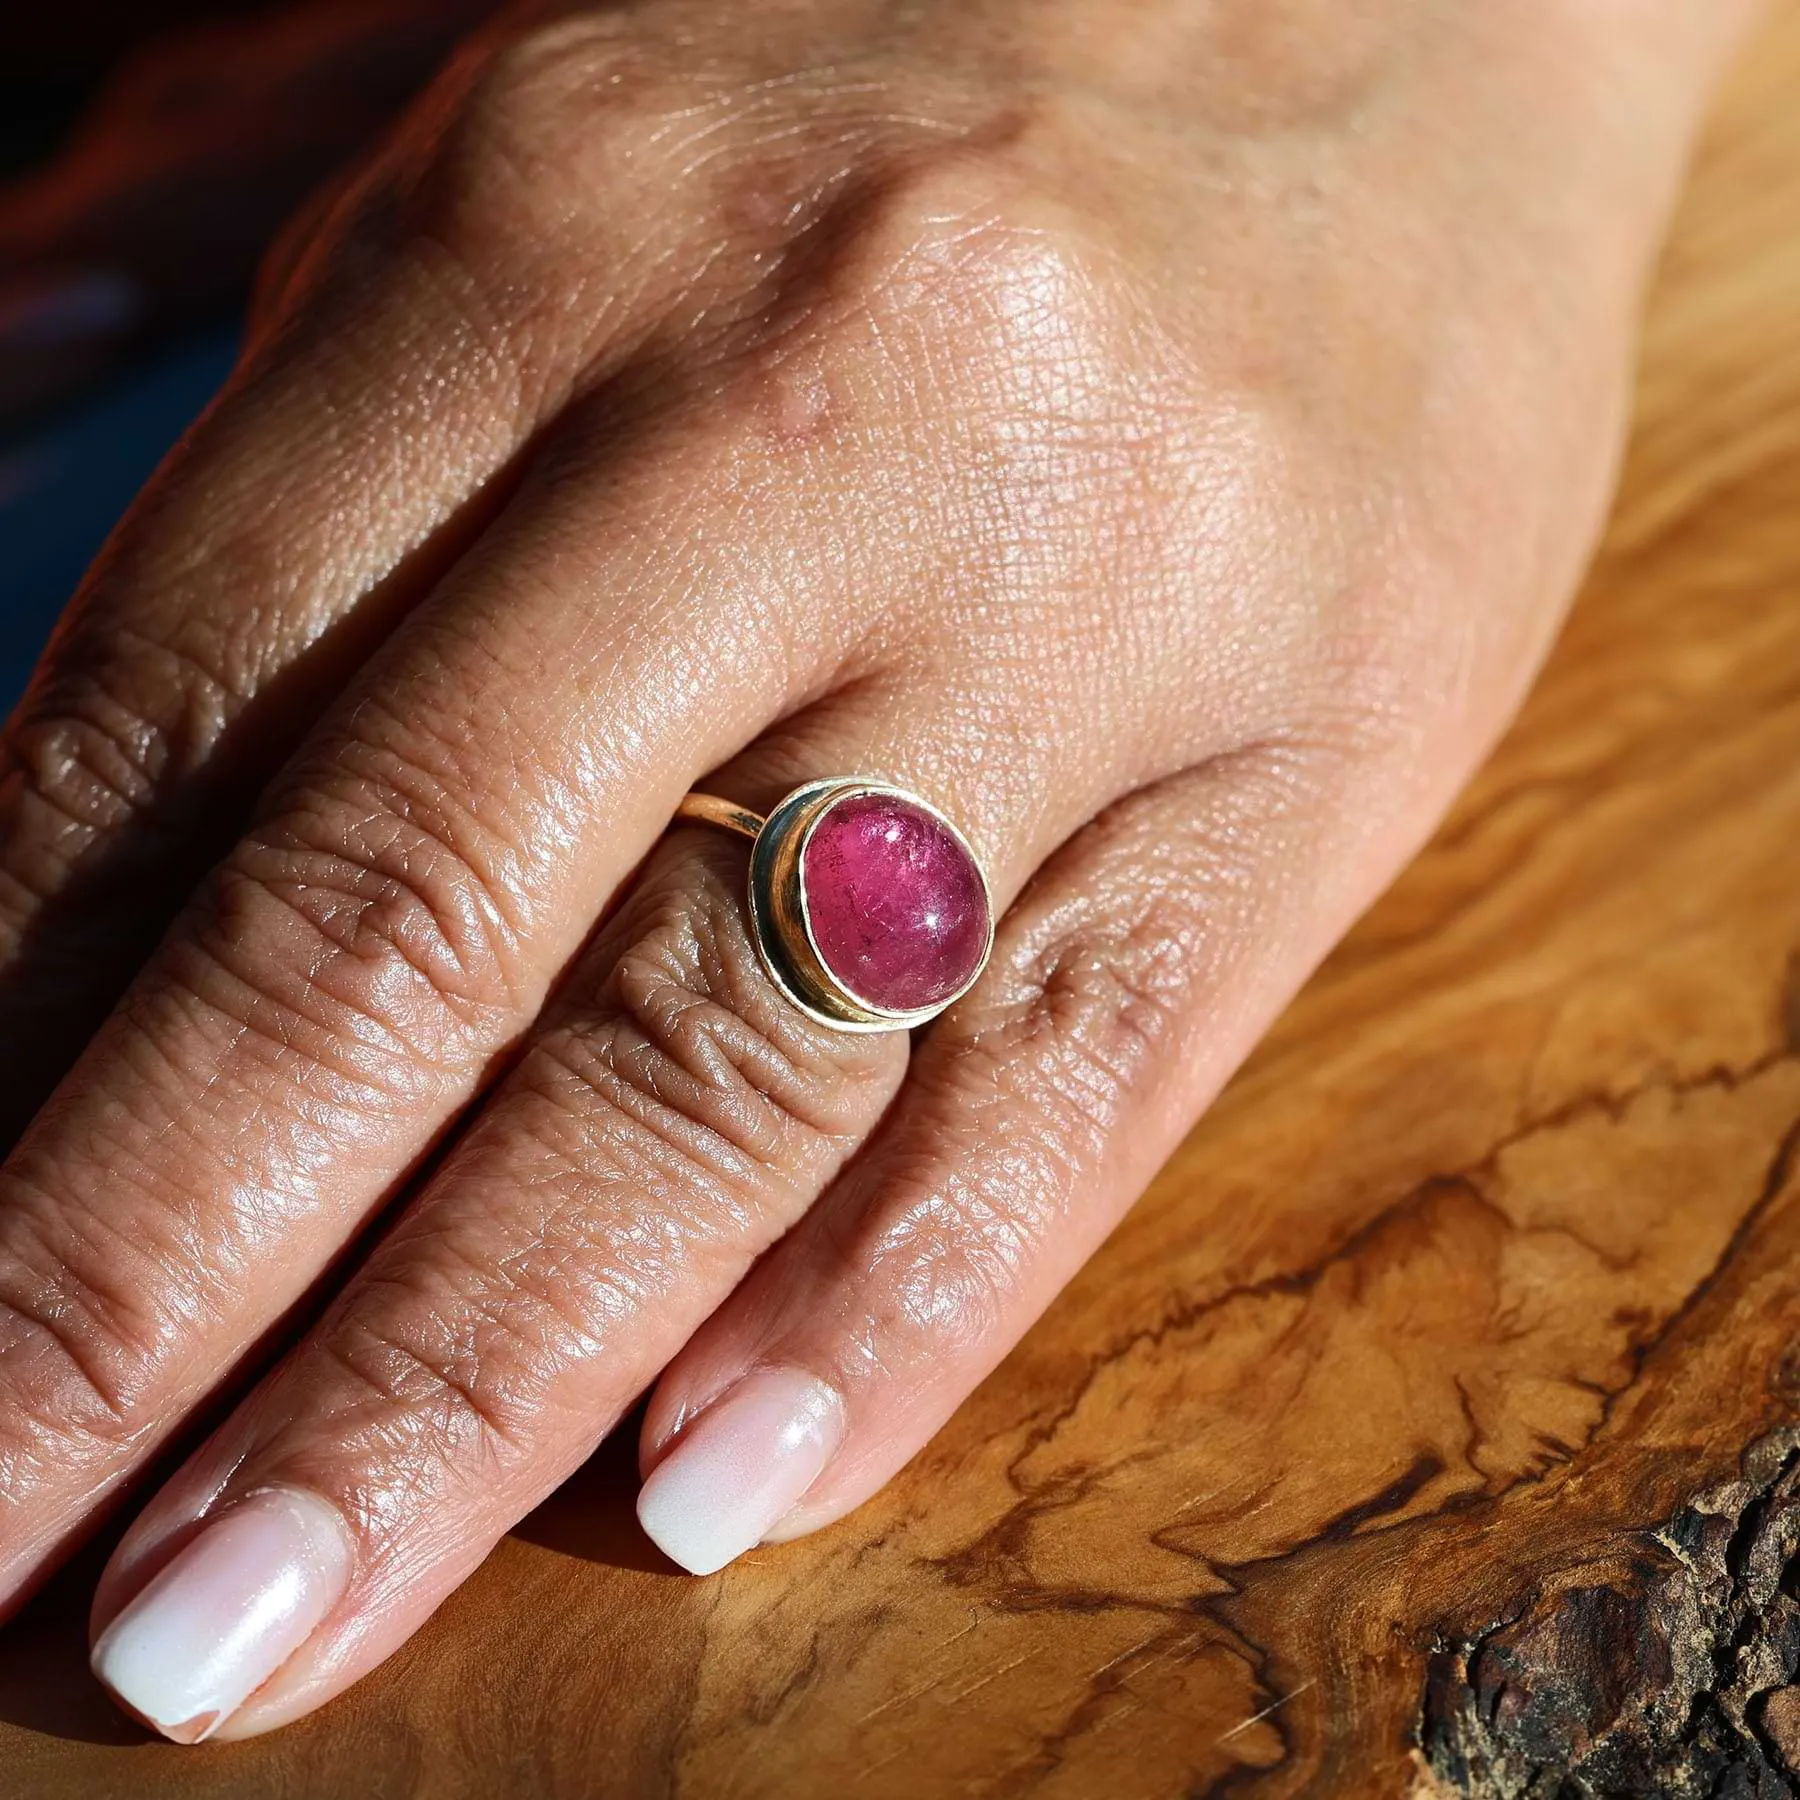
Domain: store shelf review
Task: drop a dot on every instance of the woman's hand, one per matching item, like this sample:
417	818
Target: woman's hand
1162	436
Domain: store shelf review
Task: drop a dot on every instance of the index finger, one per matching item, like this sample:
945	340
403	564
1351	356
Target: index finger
304	516
363	445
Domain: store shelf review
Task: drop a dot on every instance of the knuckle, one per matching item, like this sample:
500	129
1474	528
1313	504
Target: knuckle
1045	1065
54	1367
454	1347
58	1415
799	192
535	205
89	765
95	747
353	924
1080	420
949	1257
427	1386
976	212
77	1347
997	277
697	1053
1085	1014
550	138
543	87
1110	997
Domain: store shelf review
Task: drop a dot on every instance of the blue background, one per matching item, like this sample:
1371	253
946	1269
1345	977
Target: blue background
64	484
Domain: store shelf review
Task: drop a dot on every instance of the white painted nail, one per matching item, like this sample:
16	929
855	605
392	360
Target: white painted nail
232	1606
740	1467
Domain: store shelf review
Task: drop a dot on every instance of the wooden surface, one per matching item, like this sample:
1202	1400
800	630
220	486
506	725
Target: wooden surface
1430	1428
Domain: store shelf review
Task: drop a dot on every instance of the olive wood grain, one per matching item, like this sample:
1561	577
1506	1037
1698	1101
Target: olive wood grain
1431	1428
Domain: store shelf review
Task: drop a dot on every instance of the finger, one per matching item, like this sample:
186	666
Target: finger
250	580
676	1116
664	1129
1129	982
365	443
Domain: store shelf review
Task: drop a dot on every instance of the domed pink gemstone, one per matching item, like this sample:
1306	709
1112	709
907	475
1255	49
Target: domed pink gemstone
897	907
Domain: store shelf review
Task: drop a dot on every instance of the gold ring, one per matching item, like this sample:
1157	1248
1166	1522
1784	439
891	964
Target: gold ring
869	909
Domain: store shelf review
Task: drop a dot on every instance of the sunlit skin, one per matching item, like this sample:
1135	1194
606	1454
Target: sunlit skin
1163	436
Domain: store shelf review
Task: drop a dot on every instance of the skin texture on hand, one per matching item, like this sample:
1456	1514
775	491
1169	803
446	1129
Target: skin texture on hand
1164	438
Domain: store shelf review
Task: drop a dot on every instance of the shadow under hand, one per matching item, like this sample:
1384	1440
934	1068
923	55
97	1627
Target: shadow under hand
45	1684
593	1515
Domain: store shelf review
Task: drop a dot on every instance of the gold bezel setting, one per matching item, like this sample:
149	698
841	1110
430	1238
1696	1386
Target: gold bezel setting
782	927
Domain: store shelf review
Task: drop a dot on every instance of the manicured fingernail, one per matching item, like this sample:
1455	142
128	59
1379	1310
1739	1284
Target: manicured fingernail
740	1467
60	313
227	1612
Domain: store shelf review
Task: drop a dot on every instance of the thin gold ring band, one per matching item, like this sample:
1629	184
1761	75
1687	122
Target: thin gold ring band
709	809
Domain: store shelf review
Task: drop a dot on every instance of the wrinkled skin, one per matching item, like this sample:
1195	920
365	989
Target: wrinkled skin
1164	436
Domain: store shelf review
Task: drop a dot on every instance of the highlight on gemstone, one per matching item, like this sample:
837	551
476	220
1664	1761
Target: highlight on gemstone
896	906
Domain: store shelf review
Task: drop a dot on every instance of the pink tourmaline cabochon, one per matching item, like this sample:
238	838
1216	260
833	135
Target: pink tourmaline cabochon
896	905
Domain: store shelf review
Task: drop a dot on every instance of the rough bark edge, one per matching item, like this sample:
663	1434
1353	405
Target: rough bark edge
1667	1664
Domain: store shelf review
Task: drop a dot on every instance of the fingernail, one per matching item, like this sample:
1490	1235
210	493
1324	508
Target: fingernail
74	309
740	1467
226	1613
